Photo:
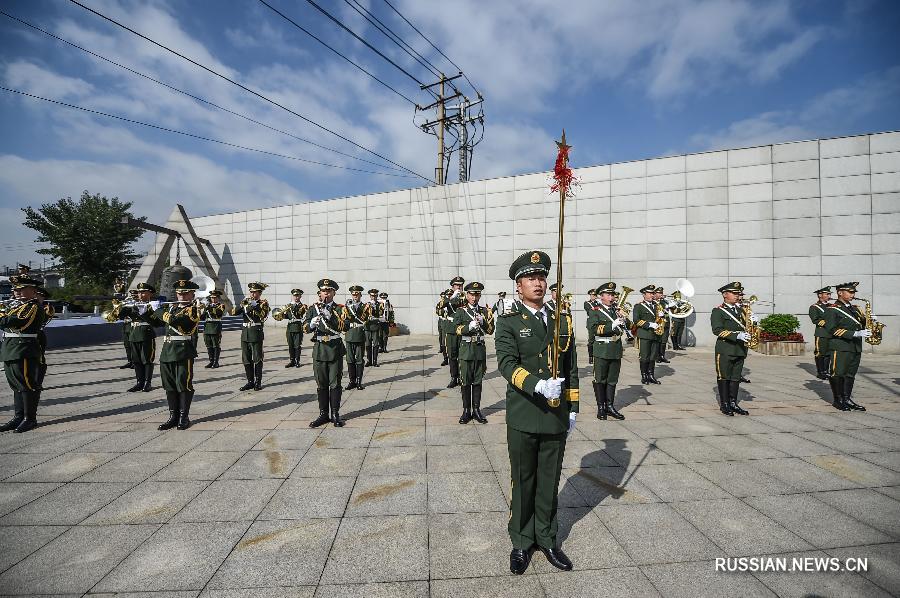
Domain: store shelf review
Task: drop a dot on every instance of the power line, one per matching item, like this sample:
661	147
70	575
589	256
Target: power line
318	39
192	96
361	40
416	29
378	24
247	89
201	137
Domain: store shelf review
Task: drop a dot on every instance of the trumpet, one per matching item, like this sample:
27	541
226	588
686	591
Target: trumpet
9	305
278	314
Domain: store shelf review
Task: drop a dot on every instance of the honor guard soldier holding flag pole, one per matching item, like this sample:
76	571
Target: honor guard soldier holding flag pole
606	325
373	328
294	313
644	318
211	315
143	336
452	302
471	324
176	360
846	326
537	356
817	316
357	315
731	347
22	320
254	310
326	320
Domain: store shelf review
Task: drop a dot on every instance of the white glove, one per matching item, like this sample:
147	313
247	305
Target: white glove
865	333
754	318
620	322
142	308
571	422
874	318
253	303
314	323
473	325
653	325
743	336
551	388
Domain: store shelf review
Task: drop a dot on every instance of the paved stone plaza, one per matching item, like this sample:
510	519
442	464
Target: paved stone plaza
251	502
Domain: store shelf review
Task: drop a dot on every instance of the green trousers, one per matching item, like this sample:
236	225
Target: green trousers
648	349
251	352
177	376
143	352
23	375
606	371
127	343
294	339
729	367
328	374
212	341
536	463
451	341
844	363
472	371
677	329
356	353
822	347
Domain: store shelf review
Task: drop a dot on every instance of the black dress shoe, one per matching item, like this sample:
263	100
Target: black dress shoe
557	558
453	383
26	426
137	387
519	560
126	366
247	386
745	380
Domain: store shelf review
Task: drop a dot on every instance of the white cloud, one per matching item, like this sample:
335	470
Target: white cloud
32	78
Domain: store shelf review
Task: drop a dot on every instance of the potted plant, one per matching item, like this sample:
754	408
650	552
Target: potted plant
779	335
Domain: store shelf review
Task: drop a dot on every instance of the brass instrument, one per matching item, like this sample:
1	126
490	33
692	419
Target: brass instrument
682	308
9	305
872	325
623	308
660	320
752	327
278	313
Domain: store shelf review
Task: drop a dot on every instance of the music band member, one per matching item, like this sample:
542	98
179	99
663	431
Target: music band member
387	322
326	320
590	305
373	328
471	323
255	311
607	326
817	316
644	318
211	316
440	309
732	337
143	335
357	316
293	313
847	327
452	302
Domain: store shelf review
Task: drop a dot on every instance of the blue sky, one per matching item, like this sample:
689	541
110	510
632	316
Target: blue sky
626	79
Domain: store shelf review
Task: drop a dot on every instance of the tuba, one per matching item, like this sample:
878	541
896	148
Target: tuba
872	325
682	308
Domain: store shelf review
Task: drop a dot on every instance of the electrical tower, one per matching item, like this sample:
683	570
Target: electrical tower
454	120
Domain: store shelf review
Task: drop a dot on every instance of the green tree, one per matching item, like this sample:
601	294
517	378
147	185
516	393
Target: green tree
86	236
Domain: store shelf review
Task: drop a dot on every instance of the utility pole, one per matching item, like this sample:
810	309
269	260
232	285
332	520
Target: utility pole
439	171
440	122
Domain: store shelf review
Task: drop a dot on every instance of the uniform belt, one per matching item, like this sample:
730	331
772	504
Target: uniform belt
213	319
178	338
355	325
324	338
19	335
136	324
472	339
251	324
606	339
449	319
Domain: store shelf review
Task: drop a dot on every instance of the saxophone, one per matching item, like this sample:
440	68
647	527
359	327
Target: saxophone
871	324
752	327
660	320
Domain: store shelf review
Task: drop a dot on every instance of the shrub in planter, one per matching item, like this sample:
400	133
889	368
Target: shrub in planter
780	327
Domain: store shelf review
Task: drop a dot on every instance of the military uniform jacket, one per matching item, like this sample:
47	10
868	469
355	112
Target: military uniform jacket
841	321
388	312
212	318
449	305
294	313
472	346
564	308
376	315
817	316
601	323
590	306
254	317
357	316
329	346
29	318
643	314
523	358
726	324
141	324
181	323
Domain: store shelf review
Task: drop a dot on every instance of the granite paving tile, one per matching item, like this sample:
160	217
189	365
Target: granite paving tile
150	502
230	500
67	505
871	507
129	467
525	586
604	583
465	493
267	463
373	549
331	462
15	494
700	579
20	541
300	498
399	494
64	468
198	465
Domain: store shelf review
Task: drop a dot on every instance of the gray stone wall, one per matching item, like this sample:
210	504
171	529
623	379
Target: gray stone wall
784	219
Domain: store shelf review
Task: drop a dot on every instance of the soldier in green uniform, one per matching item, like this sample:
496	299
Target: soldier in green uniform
590	305
554	294
326	320
357	315
453	301
176	359
388	321
21	353
441	311
471	323
126	333
373	328
644	317
731	347
540	410
607	326
211	315
42	295
846	326
254	310
294	312
659	297
817	316
677	323
143	336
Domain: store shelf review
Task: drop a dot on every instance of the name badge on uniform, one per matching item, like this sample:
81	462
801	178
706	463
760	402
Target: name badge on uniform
525	332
